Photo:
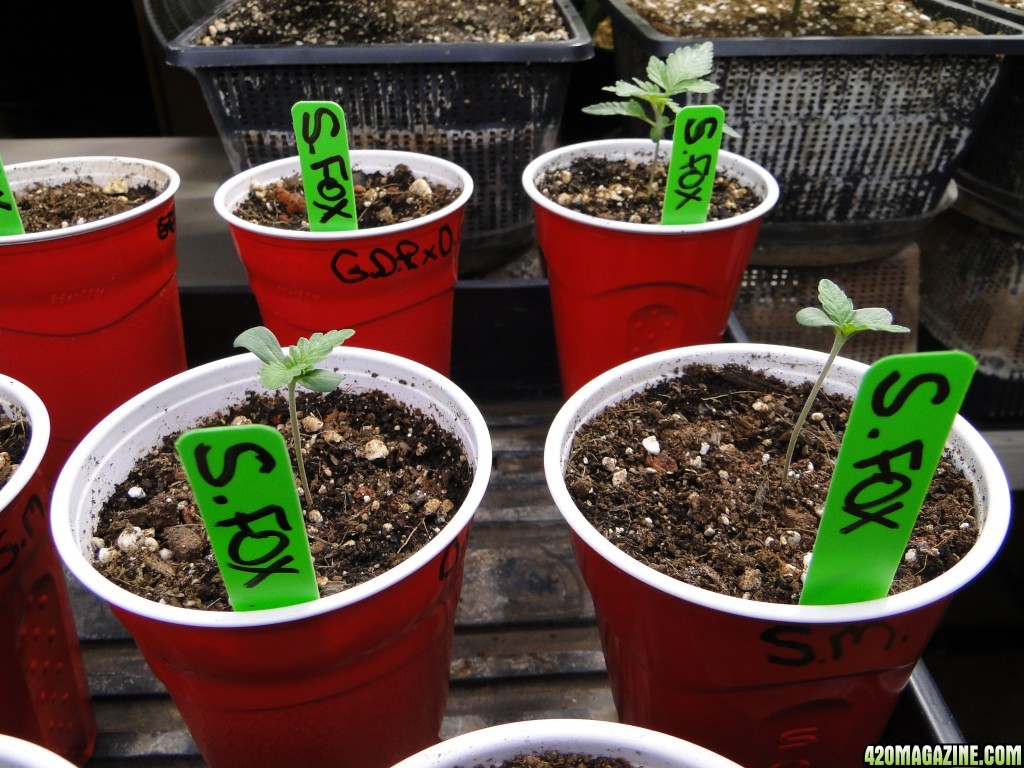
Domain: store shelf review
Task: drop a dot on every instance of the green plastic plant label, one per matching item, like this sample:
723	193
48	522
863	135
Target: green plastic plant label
691	171
10	219
242	480
897	430
322	141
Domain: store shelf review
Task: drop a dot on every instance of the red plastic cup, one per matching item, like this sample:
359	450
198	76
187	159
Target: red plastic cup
45	699
359	677
395	285
766	685
620	290
89	314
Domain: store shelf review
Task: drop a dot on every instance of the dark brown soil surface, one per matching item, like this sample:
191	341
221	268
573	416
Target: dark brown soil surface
617	190
381	199
773	18
564	760
385	479
44	208
707	505
14	437
285	22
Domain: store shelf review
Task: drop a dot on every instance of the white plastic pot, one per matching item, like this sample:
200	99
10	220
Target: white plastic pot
16	401
490	747
810	682
296	685
17	753
44	696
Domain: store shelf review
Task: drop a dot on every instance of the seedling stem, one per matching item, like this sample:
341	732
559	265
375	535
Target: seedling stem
836	312
296	367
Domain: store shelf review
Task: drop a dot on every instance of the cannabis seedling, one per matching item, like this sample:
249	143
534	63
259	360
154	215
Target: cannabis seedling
296	367
681	72
838	313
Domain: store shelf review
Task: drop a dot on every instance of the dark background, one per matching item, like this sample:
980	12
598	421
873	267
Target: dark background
91	69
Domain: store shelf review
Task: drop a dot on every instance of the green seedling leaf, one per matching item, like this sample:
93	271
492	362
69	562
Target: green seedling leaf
683	71
625	108
691	169
243	484
263	343
898	426
299	364
837	313
322	141
10	219
296	367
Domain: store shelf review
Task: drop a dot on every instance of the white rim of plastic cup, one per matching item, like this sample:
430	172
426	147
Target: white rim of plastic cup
491	746
99	169
18	753
74	509
968	446
747	171
434	169
15	396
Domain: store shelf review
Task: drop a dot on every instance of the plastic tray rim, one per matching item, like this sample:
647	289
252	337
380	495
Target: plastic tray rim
659	43
578	48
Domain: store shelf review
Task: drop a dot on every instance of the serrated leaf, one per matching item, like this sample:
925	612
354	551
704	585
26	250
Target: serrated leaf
837	311
280	369
638	90
297	366
627	108
695	86
690	63
262	343
835	303
311	351
657	71
813	317
680	72
320	380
